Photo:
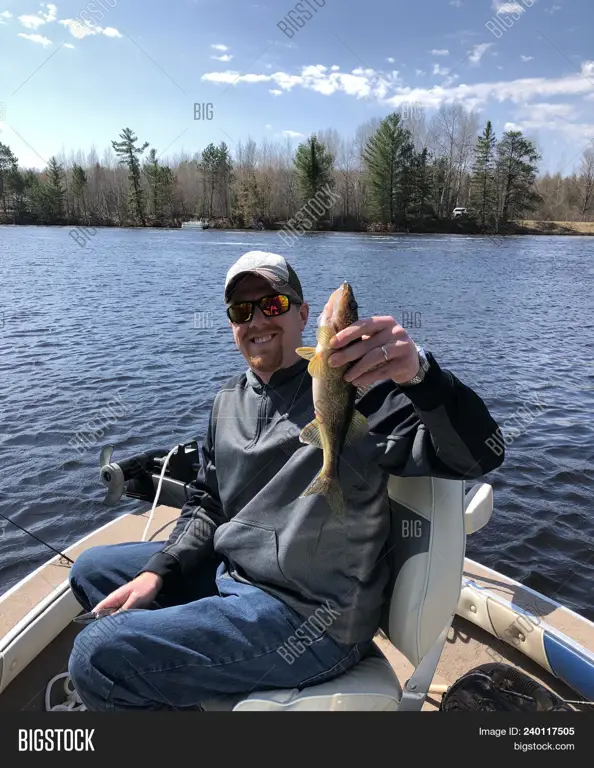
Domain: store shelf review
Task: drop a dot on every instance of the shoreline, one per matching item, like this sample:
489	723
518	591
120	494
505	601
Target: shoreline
512	229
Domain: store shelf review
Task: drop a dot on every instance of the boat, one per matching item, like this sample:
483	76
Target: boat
446	614
195	224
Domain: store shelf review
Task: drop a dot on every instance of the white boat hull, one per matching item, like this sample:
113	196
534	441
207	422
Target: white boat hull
40	607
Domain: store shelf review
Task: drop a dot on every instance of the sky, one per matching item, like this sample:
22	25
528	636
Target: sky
73	75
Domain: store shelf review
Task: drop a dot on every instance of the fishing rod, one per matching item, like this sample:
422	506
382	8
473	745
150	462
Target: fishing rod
45	544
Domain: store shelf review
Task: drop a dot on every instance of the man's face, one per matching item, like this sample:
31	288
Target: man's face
267	343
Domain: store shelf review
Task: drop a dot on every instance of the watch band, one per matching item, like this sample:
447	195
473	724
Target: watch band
423	368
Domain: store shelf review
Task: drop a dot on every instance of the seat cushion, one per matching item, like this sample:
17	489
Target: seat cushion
369	686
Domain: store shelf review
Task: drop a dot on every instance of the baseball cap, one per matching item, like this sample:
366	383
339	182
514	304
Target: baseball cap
272	267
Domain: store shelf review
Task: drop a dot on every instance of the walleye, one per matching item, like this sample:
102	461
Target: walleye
336	422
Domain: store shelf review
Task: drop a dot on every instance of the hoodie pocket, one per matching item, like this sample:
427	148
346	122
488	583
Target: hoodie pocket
253	548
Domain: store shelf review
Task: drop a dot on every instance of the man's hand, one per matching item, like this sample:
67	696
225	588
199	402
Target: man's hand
403	359
138	593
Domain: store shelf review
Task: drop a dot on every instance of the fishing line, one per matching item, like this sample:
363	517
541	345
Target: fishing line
45	544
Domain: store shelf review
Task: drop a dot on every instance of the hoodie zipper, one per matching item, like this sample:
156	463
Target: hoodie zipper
261	408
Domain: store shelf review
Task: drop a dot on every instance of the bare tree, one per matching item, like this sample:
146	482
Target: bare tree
586	183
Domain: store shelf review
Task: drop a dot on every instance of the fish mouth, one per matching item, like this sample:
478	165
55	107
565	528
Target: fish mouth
349	296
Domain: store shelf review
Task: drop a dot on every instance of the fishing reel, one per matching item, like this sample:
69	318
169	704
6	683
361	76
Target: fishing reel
138	476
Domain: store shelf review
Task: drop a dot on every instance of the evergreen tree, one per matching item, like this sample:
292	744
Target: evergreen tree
8	163
224	175
79	184
209	165
516	169
314	169
54	193
387	156
423	183
483	192
129	155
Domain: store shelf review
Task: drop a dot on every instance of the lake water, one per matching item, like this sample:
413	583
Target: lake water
138	314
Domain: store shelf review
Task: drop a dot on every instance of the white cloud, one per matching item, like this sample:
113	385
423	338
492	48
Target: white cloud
5	15
40	39
456	3
419	72
440	52
292	134
268	125
478	51
276	92
390	60
439	70
220	47
544	112
392	93
513	7
553	9
33	22
224	57
68	45
526	58
512	127
80	30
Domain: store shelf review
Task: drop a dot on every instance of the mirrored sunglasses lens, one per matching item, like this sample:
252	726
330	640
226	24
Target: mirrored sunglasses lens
275	305
240	313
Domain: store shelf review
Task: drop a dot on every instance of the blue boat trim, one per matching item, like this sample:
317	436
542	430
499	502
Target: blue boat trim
570	664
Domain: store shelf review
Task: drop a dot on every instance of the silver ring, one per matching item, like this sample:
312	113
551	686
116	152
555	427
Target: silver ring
385	354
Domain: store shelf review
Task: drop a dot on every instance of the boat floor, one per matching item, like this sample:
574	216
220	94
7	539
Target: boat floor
467	645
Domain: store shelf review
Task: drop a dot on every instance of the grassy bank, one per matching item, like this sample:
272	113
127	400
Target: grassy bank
556	227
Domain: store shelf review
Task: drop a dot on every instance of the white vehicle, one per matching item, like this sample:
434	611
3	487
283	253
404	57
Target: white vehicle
458	212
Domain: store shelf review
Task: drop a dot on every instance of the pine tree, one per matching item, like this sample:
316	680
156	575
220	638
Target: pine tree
54	190
209	165
79	184
423	183
8	162
314	168
516	170
387	162
129	155
483	192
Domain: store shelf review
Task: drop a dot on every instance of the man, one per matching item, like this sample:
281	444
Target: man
258	587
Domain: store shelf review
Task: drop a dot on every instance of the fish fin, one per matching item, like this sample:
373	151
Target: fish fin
310	434
306	352
330	488
316	367
324	334
358	428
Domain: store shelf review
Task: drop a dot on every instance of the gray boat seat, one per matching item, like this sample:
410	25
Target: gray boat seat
430	519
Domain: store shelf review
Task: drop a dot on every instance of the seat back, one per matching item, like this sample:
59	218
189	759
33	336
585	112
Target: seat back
426	550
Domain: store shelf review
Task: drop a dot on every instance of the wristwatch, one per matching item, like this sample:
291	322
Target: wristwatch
424	367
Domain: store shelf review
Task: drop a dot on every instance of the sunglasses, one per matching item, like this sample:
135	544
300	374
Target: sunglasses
270	306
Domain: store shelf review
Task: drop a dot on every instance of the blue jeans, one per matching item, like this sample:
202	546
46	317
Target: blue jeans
213	636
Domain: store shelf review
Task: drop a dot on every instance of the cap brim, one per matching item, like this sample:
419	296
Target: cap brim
275	283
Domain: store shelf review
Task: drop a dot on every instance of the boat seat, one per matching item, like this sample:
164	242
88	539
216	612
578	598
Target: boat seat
430	519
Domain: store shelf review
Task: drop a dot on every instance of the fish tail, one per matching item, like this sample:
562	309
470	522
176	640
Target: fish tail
328	486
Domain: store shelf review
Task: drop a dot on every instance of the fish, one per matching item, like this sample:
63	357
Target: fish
337	422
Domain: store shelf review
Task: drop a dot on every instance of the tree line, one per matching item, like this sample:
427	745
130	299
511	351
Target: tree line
399	173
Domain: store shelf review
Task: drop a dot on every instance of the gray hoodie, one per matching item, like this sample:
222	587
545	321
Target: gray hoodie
247	506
